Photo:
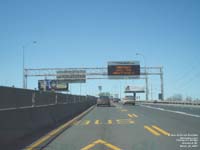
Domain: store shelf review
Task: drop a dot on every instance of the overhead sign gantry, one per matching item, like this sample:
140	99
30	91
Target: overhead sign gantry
115	70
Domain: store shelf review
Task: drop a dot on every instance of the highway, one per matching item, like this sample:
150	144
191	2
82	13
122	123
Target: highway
188	109
129	128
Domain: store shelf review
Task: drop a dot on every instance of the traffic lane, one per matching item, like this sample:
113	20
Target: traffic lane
70	138
87	129
123	133
170	122
175	107
173	121
156	134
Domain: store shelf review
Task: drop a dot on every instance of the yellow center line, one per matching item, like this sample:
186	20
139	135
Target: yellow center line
152	131
161	130
97	122
37	143
54	132
109	121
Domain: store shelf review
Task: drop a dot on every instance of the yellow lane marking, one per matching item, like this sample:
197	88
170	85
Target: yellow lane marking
124	110
152	131
38	143
56	131
87	122
113	147
129	115
88	146
132	115
109	121
161	130
131	122
99	141
97	122
136	116
53	132
124	121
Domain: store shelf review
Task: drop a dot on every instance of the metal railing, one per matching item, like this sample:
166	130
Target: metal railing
171	102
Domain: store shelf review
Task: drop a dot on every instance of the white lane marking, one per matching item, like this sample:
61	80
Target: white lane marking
161	109
177	112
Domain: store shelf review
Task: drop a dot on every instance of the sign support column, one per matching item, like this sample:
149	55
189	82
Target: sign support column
162	83
147	85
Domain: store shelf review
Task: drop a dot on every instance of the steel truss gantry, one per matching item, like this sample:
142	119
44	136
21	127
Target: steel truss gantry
95	73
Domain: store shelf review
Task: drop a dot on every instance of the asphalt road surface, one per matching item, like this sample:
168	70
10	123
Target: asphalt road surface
190	109
130	128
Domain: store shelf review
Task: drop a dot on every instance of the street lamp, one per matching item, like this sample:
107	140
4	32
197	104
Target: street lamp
146	76
23	50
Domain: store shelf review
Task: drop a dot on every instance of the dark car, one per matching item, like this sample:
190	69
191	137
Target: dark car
103	101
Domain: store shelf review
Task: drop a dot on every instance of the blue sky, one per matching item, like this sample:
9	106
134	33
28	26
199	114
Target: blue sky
91	32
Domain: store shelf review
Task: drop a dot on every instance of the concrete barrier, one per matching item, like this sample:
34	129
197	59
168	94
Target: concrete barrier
14	124
44	98
18	123
62	98
12	97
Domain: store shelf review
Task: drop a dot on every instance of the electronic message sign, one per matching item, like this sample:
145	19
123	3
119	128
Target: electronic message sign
125	68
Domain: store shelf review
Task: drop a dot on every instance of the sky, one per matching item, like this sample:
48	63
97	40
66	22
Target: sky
89	33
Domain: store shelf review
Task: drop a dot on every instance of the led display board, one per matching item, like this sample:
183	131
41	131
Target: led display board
129	68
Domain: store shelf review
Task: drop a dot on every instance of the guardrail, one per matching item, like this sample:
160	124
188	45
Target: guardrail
170	102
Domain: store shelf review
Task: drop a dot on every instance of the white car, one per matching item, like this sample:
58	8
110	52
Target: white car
128	100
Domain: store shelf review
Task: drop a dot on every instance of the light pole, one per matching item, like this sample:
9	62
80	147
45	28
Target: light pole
120	87
80	89
146	76
23	67
24	74
151	92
